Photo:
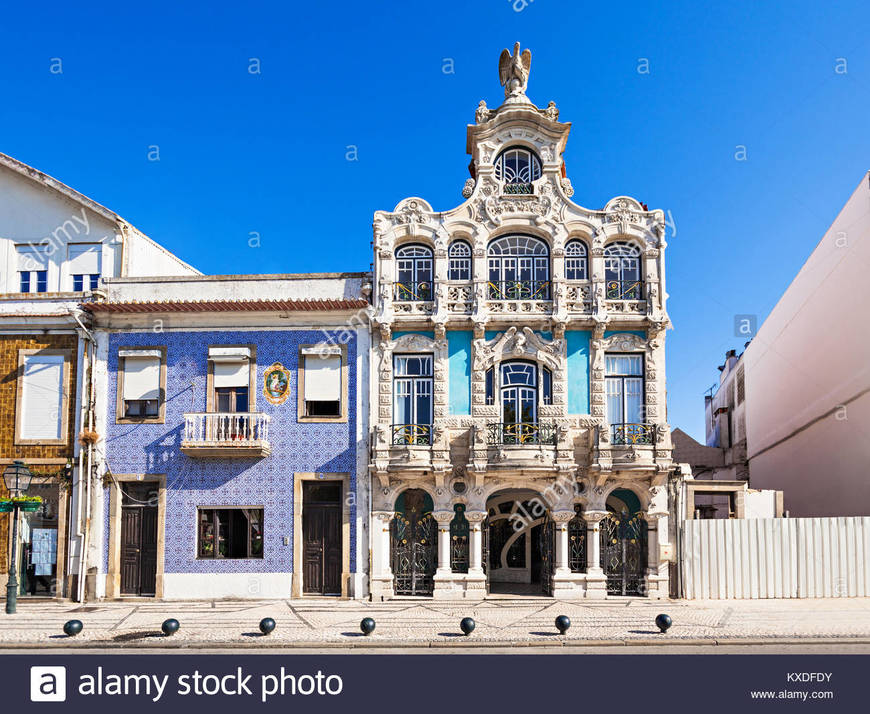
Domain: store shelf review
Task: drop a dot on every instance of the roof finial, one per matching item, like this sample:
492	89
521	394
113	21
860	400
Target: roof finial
513	71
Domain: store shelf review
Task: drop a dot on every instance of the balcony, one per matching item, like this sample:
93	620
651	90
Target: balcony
519	189
523	434
519	290
623	290
226	435
411	434
632	434
412	292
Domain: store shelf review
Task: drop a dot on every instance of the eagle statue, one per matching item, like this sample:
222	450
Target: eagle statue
513	71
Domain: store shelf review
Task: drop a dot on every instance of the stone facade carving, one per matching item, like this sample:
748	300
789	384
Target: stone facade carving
569	326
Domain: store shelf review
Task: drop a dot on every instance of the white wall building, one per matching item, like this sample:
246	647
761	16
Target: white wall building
808	377
56	246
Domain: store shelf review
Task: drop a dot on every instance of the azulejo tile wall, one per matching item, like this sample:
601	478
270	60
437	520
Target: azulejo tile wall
266	482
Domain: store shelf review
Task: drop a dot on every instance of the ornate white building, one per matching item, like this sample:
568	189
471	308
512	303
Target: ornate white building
519	421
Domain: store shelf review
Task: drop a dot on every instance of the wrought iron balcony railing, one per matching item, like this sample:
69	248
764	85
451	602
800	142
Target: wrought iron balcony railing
519	434
623	290
412	434
631	434
412	292
519	188
519	290
211	433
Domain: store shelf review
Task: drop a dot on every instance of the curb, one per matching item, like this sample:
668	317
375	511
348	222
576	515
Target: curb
458	644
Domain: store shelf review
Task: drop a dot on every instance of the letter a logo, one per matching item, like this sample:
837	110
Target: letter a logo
48	684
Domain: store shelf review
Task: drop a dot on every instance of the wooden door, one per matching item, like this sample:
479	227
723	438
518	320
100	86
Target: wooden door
321	538
131	548
148	555
138	545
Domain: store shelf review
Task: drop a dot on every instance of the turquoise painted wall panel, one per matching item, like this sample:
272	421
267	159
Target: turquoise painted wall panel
430	335
577	344
459	371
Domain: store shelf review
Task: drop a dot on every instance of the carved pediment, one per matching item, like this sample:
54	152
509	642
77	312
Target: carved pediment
517	344
413	343
623	342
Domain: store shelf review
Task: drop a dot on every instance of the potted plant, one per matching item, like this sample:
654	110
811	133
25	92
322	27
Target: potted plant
88	437
29	504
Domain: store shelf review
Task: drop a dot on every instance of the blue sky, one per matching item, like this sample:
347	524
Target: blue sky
242	152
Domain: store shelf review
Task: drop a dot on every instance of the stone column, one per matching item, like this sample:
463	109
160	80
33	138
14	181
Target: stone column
560	520
382	574
656	582
475	541
443	518
596	581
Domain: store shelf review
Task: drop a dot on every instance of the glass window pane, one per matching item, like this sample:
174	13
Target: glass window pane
614	400
634	401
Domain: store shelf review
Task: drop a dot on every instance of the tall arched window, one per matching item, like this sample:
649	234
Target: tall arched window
519	390
519	268
459	261
519	393
518	168
622	272
413	273
576	261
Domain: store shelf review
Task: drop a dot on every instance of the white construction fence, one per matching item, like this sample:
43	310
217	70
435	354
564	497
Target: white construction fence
776	558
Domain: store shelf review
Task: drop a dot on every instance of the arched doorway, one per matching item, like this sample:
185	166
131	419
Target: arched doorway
413	544
624	544
519	551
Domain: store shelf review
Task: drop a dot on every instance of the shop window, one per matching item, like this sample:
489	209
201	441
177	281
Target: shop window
230	532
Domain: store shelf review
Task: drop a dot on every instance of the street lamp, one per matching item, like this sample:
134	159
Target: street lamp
16	478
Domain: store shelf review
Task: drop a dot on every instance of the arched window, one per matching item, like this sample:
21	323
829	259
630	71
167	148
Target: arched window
459	261
518	168
622	272
519	268
576	261
413	273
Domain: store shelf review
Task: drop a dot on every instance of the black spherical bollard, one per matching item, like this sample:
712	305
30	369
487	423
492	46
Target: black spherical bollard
267	624
663	622
367	626
467	626
72	627
563	622
170	626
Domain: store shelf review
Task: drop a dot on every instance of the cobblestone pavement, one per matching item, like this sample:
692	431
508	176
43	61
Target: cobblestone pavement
427	623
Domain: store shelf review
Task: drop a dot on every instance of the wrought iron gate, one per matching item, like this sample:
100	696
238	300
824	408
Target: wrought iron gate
414	543
459	532
577	542
548	554
623	553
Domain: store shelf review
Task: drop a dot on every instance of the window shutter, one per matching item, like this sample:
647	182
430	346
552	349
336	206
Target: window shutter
231	374
42	397
32	257
141	377
85	259
322	378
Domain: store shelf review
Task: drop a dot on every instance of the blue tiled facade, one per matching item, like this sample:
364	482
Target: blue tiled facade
195	482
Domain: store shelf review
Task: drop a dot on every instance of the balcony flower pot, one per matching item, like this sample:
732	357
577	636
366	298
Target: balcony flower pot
6	506
88	438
